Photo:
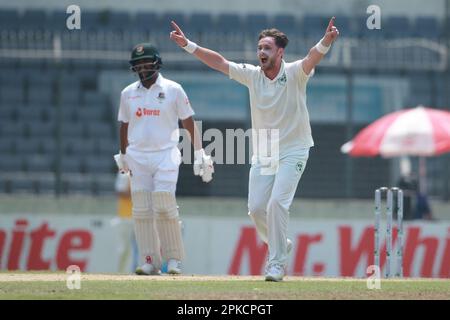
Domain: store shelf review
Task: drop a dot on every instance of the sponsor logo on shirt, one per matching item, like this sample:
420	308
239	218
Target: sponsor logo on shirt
282	80
161	96
133	97
299	167
147	112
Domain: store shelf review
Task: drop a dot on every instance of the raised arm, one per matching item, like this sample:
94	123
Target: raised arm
317	52
209	57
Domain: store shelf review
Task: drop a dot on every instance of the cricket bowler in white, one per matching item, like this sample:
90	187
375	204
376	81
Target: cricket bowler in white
148	114
278	105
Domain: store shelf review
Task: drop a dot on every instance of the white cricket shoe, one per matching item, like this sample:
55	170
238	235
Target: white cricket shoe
174	266
147	269
274	272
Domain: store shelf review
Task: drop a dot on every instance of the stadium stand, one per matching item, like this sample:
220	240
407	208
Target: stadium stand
287	23
199	23
55	116
427	27
398	27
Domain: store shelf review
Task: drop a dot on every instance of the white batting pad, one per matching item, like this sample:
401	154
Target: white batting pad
166	211
171	239
145	228
164	204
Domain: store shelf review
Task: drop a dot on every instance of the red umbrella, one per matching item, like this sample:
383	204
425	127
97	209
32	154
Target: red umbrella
418	131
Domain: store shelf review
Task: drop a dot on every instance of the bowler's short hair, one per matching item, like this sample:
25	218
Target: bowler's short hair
280	38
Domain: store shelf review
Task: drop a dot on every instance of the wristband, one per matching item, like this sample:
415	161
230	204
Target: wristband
190	47
321	48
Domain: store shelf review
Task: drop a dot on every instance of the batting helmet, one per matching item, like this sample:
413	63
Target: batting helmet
148	52
145	51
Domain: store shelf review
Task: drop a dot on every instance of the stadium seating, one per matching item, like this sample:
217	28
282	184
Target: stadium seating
107	145
9	19
12	94
31	112
397	27
72	164
93	20
40	95
74	146
40	99
27	146
95	163
118	21
45	184
254	23
314	26
39	163
58	21
427	27
70	130
9	111
345	25
67	113
10	163
95	113
94	99
41	129
69	96
98	130
11	77
38	75
103	185
227	23
164	20
144	21
13	129
7	145
286	23
77	186
199	23
32	19
49	147
23	186
362	31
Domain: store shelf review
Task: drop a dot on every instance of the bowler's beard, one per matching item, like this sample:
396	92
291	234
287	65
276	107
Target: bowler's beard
269	64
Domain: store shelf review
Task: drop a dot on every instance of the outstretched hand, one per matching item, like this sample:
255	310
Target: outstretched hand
331	33
177	35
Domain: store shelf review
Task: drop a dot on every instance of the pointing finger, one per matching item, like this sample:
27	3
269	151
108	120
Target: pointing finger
331	24
176	27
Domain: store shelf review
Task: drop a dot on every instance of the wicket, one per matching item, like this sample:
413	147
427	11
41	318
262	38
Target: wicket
389	214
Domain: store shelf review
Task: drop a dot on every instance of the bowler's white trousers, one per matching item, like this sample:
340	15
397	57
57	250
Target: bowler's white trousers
270	195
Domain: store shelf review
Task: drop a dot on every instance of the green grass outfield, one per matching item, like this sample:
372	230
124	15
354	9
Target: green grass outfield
49	285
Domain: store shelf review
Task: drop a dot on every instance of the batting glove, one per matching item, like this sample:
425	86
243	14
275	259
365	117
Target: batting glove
203	165
121	162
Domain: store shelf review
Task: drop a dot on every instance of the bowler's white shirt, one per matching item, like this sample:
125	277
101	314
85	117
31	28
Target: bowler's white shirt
278	104
152	114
